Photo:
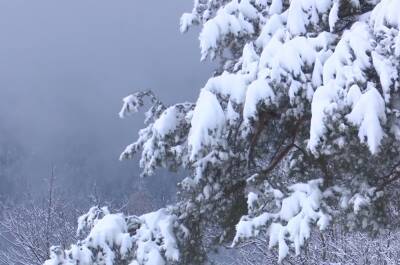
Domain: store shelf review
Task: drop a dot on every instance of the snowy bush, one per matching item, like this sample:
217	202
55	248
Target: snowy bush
299	127
119	239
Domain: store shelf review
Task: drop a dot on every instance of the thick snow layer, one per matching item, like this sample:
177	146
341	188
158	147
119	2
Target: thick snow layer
341	66
258	91
89	220
208	119
232	86
159	224
333	15
270	28
353	95
110	230
275	7
303	13
367	113
231	19
167	122
249	62
344	68
155	237
187	19
323	103
294	57
296	21
149	241
385	14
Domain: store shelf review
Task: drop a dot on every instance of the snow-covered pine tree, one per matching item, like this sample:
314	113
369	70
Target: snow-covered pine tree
299	127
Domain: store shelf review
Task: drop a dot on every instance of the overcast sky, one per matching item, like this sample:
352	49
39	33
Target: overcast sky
65	65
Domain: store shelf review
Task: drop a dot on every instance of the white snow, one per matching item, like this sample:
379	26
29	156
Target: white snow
208	119
251	199
275	7
323	103
258	91
187	20
273	24
387	73
367	114
232	86
168	121
300	209
333	16
130	105
344	68
386	13
157	225
291	57
110	230
229	20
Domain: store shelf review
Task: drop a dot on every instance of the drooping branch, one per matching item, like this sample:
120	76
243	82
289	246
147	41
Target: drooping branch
133	102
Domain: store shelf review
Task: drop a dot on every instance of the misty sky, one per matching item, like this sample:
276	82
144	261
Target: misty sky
64	68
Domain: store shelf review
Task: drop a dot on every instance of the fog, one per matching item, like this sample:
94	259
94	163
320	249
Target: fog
64	68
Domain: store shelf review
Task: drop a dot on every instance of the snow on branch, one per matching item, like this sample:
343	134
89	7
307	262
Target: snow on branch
292	220
118	239
133	102
306	94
